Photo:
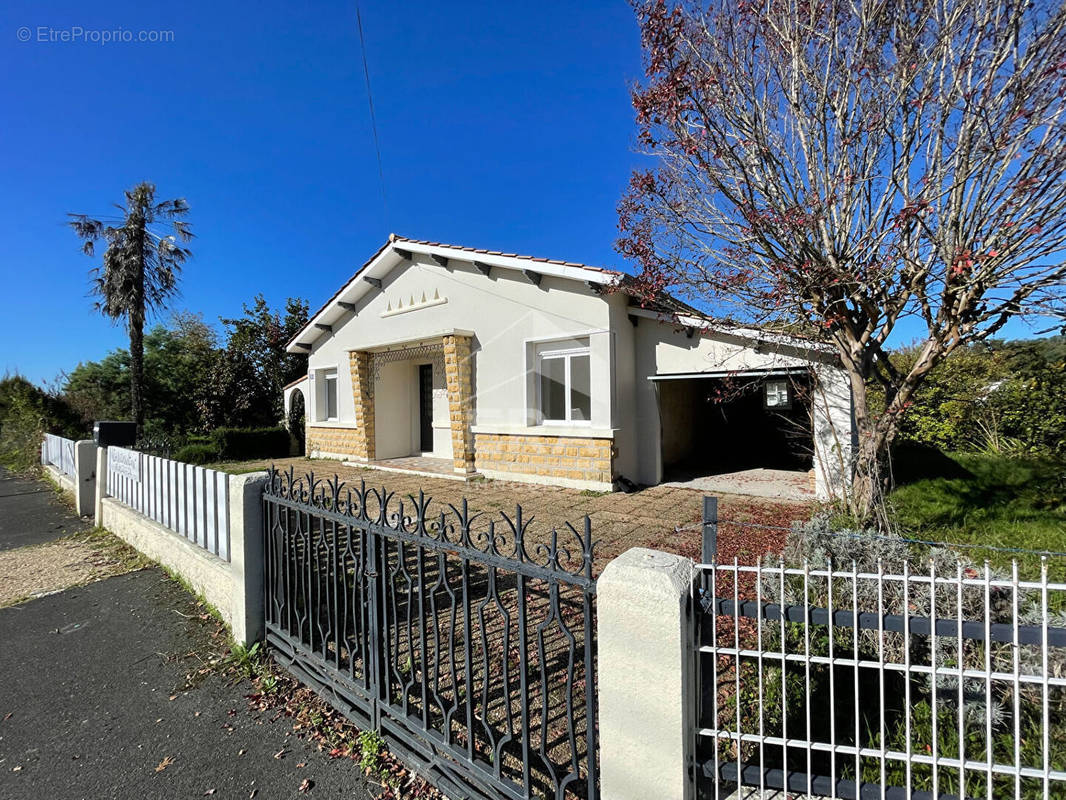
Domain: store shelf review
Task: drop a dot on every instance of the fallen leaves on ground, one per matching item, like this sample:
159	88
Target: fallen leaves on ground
166	762
330	731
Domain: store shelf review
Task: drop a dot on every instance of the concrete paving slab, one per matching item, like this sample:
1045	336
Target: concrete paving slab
775	484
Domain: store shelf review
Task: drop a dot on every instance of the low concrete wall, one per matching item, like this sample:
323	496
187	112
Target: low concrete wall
65	482
81	488
207	574
235	587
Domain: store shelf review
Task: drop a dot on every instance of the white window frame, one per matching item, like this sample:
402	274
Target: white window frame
566	355
786	405
330	376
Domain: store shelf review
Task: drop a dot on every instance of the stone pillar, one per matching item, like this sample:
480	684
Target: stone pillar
360	363
647	707
457	373
85	476
101	485
246	556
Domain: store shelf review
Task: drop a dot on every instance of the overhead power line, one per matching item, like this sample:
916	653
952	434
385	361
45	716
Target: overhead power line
373	119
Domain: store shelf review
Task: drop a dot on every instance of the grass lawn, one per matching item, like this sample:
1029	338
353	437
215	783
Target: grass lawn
989	500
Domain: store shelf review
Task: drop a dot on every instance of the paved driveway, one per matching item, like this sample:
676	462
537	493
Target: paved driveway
647	518
30	514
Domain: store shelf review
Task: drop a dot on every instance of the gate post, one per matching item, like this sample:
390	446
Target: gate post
101	486
85	476
644	633
246	556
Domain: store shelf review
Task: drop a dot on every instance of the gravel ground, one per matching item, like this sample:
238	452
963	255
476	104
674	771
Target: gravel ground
45	548
37	570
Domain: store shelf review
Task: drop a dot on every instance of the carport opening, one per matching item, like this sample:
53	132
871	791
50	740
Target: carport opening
724	424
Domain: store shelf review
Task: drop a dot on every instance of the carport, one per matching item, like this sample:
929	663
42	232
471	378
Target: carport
757	424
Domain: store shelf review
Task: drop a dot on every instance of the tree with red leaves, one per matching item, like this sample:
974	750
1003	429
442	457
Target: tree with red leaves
846	166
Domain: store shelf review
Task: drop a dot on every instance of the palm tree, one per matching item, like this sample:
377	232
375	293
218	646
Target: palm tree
141	266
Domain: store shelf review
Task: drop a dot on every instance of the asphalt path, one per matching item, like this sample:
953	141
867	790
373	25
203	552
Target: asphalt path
31	514
95	702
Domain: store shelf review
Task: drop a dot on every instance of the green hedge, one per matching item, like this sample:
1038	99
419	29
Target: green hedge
240	444
197	454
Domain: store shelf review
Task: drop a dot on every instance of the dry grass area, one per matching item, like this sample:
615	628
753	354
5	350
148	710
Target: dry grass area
37	570
647	518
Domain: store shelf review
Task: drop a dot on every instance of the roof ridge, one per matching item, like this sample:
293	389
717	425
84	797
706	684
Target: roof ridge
394	237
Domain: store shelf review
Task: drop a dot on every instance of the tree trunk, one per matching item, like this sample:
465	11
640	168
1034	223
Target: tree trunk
875	433
136	320
870	483
137	370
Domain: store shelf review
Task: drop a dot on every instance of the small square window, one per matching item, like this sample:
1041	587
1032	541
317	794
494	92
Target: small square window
776	395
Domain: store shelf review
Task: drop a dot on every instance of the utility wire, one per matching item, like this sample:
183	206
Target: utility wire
373	119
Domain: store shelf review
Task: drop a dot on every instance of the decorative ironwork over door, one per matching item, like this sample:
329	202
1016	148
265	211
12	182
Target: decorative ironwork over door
468	642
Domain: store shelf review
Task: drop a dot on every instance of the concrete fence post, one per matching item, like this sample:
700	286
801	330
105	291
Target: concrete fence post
646	708
246	555
85	476
101	485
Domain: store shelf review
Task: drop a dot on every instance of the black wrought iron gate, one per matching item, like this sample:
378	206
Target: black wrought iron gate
468	642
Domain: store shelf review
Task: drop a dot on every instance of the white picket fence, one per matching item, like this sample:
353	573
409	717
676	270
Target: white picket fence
59	452
189	500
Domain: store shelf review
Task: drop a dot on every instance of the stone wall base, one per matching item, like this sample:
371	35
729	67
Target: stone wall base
580	462
332	442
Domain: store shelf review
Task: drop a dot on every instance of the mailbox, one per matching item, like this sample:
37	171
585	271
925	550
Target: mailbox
110	433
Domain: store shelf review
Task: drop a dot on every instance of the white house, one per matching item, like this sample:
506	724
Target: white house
448	358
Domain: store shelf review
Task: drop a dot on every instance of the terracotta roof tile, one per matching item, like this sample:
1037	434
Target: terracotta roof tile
289	385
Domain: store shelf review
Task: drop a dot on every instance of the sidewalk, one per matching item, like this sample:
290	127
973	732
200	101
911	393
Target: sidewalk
96	701
30	514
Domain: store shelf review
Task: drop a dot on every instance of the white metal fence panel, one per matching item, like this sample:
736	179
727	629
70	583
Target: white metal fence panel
189	500
935	680
59	452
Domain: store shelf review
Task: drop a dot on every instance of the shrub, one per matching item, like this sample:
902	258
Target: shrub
239	444
1001	397
27	412
197	454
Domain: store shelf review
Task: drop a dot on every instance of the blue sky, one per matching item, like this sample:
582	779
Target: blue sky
502	125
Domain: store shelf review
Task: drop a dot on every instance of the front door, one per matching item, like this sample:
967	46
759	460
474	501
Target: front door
425	407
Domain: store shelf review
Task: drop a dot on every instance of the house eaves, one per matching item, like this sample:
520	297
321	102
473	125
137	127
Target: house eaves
398	250
760	340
